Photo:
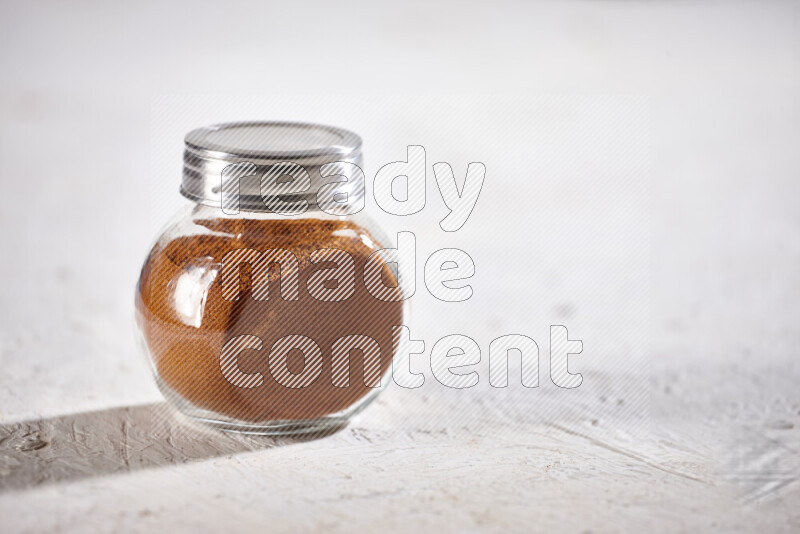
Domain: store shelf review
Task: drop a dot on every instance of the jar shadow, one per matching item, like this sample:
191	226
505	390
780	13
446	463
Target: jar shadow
116	441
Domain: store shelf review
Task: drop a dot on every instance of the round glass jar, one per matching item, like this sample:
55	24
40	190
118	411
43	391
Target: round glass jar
270	306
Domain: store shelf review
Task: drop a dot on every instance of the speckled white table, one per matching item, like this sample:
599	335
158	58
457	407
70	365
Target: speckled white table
713	443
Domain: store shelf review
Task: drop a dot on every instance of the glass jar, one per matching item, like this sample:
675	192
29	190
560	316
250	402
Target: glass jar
270	305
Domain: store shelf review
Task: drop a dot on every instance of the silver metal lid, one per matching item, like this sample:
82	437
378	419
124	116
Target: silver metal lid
271	166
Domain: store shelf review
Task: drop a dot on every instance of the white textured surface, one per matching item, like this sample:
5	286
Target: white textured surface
721	451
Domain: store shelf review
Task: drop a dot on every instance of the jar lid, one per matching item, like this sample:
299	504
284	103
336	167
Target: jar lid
255	165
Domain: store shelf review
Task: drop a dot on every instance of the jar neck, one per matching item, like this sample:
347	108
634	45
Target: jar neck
202	210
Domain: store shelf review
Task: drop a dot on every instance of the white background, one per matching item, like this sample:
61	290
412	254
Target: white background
699	99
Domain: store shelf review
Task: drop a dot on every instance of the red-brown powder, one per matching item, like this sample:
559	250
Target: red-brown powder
185	344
